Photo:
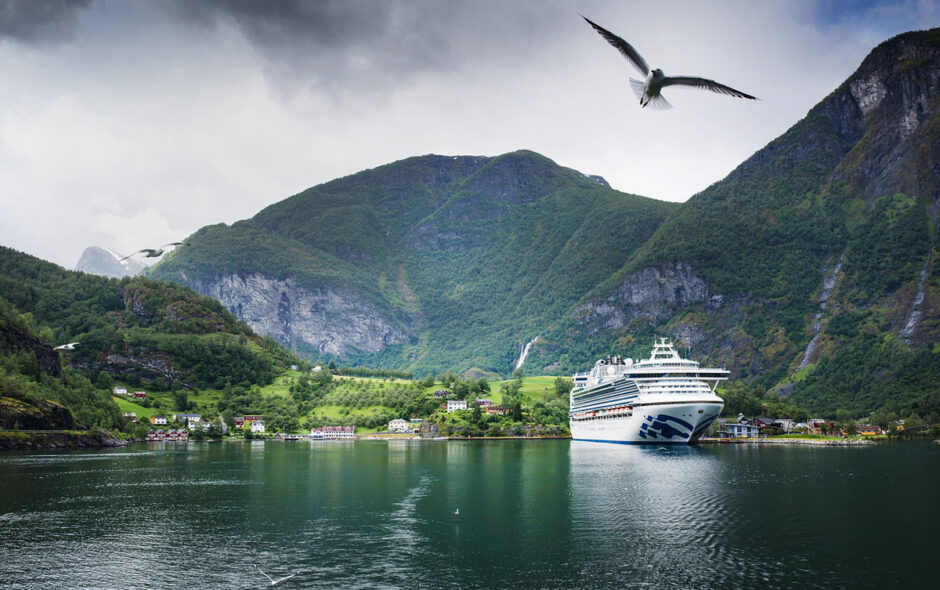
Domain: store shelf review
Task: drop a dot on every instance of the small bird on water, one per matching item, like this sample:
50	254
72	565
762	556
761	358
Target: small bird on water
648	91
457	512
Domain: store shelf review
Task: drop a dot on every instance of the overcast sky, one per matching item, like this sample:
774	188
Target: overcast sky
128	124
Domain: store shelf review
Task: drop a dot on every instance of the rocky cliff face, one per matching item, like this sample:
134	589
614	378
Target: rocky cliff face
663	294
653	294
105	263
329	321
892	99
35	415
13	338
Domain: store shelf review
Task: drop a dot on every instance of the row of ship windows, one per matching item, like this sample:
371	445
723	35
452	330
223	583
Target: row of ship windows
604	417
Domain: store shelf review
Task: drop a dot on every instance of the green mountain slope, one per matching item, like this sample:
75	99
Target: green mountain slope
138	330
458	261
816	256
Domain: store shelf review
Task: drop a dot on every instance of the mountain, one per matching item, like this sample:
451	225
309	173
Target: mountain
137	330
105	263
809	271
427	264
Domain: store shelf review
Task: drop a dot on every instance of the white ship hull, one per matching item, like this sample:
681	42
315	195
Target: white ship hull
655	423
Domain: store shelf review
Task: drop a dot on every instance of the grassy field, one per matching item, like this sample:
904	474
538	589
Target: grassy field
128	406
533	389
162	402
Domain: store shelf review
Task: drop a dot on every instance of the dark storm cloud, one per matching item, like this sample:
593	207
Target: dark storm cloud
39	21
327	42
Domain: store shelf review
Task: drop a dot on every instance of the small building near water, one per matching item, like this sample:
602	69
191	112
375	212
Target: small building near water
739	430
399	425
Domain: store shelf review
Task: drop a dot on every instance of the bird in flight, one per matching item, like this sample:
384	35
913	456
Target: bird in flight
69	346
278	581
648	91
154	252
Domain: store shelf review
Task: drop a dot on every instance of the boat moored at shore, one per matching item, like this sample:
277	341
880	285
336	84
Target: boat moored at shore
662	399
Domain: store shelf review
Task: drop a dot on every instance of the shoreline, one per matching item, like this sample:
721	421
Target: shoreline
19	440
789	441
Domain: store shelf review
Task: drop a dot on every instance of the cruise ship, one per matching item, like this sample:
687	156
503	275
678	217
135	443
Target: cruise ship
662	399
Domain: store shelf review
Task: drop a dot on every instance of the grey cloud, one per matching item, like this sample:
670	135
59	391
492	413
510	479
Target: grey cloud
329	43
35	21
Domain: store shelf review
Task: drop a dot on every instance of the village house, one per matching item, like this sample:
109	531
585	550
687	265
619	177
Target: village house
252	417
739	430
239	422
132	416
441	394
157	419
189	420
257	426
484	402
868	430
494	410
119	390
399	425
333	432
140	394
456	404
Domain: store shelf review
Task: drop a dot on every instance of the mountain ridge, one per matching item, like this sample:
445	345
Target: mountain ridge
814	245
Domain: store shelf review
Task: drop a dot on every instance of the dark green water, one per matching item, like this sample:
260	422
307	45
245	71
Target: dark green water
540	514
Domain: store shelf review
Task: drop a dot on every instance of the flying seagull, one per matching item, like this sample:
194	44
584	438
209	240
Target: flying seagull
278	581
69	346
154	252
649	91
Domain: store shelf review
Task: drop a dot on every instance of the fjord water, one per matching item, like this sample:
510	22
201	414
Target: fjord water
536	514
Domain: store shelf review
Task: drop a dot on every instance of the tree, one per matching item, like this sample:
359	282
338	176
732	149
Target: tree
563	386
477	414
181	400
516	411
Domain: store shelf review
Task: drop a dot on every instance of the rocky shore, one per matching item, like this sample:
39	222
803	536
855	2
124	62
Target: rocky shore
11	440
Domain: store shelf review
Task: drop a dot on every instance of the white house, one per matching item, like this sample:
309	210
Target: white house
398	425
257	426
119	390
189	420
741	430
456	404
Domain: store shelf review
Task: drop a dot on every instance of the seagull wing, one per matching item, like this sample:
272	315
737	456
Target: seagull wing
704	84
147	250
175	244
285	578
627	50
265	575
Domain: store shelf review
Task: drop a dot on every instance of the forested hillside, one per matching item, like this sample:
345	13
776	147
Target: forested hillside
429	264
139	331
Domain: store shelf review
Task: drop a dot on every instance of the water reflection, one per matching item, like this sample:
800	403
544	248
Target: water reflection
548	514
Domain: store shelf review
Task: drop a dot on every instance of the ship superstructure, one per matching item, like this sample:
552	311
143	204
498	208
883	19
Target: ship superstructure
662	399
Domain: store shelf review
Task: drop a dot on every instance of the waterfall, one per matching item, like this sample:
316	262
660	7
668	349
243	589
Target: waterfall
913	315
829	281
525	352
